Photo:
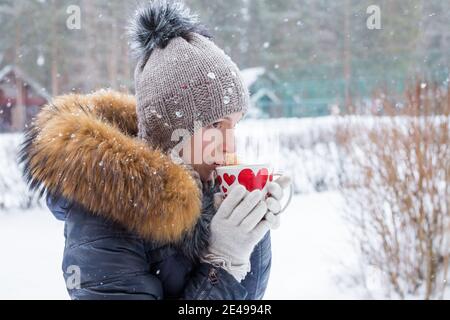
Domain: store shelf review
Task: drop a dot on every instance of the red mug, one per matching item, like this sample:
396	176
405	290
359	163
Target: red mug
252	177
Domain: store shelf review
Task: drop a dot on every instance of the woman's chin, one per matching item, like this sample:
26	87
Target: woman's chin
205	171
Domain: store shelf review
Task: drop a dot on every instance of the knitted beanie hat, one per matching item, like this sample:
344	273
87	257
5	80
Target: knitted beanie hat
182	79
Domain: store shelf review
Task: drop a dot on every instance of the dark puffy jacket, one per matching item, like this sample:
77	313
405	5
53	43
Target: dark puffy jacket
135	222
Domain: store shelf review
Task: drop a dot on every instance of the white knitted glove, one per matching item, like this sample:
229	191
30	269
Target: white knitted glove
276	190
236	228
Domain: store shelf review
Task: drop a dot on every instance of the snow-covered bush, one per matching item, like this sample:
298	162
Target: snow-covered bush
398	192
13	190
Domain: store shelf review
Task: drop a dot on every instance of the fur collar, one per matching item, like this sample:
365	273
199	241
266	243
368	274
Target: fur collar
85	148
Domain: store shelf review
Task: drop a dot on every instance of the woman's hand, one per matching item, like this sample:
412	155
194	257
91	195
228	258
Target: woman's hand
276	193
236	228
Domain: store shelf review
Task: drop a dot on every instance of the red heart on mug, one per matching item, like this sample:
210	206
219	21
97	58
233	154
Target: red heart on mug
229	178
224	189
219	180
251	182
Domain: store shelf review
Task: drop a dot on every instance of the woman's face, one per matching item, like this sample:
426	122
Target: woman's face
206	149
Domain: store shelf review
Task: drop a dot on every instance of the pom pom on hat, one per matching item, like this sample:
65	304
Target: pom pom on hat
156	23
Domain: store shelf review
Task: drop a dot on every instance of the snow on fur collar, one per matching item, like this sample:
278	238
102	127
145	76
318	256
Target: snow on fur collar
85	148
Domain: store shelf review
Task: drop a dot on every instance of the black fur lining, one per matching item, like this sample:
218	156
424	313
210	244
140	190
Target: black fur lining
194	244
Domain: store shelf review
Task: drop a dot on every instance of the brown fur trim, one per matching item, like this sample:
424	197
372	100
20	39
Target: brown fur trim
84	147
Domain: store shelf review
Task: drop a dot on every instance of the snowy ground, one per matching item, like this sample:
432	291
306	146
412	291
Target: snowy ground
31	246
307	252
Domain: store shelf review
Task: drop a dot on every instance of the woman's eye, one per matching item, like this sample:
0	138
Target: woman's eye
216	125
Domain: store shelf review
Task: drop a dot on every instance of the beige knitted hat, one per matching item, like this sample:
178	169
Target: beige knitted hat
183	80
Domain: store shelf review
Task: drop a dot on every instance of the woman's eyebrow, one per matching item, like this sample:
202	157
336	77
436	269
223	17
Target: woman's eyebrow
228	119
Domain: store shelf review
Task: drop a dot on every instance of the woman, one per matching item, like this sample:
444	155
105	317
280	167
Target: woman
140	224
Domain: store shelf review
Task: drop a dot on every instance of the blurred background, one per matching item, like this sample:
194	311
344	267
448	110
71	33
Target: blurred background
351	98
313	57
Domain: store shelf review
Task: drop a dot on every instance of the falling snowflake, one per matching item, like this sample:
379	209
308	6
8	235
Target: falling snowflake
40	60
211	75
179	114
100	163
226	99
